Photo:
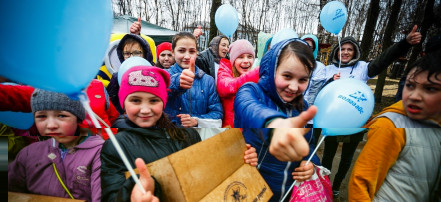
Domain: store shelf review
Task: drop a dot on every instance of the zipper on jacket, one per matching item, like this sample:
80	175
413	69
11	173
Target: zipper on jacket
285	178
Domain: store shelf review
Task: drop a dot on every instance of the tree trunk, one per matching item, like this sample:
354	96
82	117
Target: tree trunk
424	24
215	4
387	41
369	28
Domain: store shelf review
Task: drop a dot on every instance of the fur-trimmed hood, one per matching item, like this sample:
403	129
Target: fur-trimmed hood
357	52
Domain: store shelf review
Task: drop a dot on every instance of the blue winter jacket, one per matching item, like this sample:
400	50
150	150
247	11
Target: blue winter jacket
254	105
205	103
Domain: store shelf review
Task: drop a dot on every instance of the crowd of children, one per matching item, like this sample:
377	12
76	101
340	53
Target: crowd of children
155	108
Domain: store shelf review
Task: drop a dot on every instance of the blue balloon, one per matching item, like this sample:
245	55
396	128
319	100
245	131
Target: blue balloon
333	16
226	19
54	45
18	120
343	107
283	34
129	63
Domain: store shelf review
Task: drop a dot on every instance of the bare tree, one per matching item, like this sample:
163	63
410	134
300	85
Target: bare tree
387	42
371	22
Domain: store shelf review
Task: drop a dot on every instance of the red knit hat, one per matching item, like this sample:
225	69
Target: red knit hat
162	47
147	79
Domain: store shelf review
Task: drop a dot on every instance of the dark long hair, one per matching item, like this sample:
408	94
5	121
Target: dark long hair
305	55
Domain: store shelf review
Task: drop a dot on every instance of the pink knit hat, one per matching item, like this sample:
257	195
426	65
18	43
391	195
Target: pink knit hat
240	47
147	79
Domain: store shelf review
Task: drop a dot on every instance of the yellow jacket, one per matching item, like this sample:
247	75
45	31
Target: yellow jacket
384	144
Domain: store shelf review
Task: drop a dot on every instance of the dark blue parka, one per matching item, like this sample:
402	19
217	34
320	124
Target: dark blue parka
205	103
255	104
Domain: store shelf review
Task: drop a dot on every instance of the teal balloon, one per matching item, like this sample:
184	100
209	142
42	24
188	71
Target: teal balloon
343	107
282	35
54	45
341	131
18	120
226	19
129	63
333	16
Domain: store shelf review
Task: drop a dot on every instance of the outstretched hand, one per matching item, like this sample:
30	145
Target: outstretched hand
414	37
187	76
135	28
288	143
147	182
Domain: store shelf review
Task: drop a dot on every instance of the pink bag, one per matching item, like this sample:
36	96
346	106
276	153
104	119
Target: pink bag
318	188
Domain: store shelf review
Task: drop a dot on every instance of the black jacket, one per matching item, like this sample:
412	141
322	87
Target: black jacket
148	144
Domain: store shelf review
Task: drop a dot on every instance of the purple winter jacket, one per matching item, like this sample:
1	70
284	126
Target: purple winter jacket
32	170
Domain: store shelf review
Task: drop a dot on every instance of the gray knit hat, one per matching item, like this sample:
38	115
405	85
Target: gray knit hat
47	100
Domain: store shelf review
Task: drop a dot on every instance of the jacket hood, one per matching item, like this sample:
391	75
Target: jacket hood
263	39
90	142
315	39
357	52
396	108
267	71
214	47
144	45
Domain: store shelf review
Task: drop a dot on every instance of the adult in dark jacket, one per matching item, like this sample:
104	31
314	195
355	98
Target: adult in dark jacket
352	67
209	59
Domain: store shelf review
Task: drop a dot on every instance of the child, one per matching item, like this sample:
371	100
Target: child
143	95
130	45
284	74
232	75
70	157
165	55
193	100
401	160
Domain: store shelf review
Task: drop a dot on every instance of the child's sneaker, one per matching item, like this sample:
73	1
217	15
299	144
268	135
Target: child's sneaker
335	192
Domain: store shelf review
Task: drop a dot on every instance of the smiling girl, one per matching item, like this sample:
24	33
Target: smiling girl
284	74
233	74
193	99
68	164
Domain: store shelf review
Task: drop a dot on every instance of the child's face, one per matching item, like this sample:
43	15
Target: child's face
421	98
143	109
166	59
291	78
185	49
224	44
243	63
132	49
61	125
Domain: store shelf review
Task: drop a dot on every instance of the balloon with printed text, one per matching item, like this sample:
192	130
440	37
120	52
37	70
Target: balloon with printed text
226	19
343	107
60	45
333	16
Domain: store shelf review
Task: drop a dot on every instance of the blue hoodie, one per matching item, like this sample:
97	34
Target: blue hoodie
255	104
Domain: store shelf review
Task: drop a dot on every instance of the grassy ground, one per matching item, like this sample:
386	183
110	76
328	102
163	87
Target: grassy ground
389	91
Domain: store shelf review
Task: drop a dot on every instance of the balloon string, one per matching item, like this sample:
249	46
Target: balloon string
85	102
307	162
339	46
